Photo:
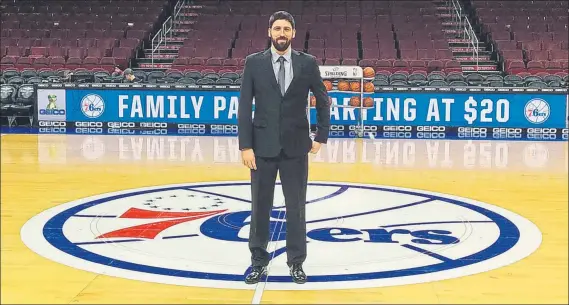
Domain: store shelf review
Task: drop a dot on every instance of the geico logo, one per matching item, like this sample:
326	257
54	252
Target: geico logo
121	124
224	127
337	127
506	130
52	130
541	136
222	132
191	126
472	135
542	130
155	131
399	135
397	128
365	128
473	129
52	112
431	128
120	131
565	131
506	136
154	125
52	124
88	124
88	130
191	131
336	133
431	135
370	128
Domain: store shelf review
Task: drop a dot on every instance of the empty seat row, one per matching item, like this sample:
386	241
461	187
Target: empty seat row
12	82
106	63
72	34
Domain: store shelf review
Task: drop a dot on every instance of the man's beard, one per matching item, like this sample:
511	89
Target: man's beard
280	46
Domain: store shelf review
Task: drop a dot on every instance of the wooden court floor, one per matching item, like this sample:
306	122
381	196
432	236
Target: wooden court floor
39	172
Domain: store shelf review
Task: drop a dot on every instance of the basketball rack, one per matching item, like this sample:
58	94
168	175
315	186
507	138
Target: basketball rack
336	74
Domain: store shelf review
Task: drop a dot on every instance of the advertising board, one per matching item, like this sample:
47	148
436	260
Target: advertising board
397	112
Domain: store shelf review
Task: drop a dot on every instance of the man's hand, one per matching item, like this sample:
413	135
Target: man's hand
315	147
248	157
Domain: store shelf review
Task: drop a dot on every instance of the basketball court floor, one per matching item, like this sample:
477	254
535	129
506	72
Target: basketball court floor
163	219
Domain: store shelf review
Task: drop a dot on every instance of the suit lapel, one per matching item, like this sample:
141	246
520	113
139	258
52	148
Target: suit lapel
269	68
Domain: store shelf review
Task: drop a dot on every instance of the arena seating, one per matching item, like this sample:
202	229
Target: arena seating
529	37
69	35
409	43
403	36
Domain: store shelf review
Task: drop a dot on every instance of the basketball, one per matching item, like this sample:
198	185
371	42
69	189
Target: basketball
355	86
343	85
368	102
369	87
369	72
328	85
355	101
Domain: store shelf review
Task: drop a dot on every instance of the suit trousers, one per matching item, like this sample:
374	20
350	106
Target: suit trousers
293	173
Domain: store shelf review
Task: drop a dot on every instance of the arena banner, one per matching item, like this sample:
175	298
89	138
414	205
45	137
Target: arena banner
492	113
410	108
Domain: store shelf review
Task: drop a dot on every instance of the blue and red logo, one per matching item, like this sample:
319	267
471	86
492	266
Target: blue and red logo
359	236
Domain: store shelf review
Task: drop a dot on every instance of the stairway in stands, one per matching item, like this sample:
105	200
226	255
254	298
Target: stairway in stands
166	52
461	46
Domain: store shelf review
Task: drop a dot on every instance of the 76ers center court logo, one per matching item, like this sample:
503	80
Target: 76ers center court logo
358	236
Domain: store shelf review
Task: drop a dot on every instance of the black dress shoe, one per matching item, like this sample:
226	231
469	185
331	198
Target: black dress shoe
255	275
298	275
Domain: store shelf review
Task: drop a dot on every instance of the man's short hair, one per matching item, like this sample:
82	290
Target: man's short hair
281	15
128	71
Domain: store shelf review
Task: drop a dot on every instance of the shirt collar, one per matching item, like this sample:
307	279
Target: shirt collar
275	55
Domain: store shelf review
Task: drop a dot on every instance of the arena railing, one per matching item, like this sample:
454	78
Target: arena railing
454	5
470	34
161	37
468	30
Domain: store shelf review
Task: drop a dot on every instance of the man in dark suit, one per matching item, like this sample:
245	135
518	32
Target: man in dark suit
278	139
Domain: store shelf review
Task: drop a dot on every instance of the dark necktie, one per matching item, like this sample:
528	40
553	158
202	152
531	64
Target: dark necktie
282	75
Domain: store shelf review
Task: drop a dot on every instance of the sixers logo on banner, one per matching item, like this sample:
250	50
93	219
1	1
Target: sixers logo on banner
537	111
358	236
92	106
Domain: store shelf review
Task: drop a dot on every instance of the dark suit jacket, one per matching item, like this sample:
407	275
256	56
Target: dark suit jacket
280	121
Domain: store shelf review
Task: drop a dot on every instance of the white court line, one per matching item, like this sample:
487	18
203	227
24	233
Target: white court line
260	288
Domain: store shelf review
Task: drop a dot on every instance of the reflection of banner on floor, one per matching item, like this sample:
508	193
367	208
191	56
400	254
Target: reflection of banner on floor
474	107
224	151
